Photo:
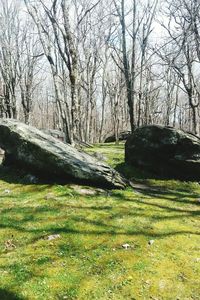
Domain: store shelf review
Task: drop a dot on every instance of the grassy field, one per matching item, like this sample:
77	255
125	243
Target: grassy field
159	220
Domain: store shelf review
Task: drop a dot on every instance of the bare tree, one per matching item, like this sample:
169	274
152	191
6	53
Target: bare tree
29	54
45	35
9	33
182	58
128	69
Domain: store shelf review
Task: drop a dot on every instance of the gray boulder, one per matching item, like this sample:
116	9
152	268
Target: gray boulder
165	151
122	137
43	155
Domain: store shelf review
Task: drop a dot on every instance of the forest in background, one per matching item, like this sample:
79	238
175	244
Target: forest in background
92	68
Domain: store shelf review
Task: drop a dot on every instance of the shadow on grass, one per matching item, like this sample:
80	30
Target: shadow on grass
17	176
79	222
167	194
7	295
138	173
167	204
167	208
135	173
83	218
77	226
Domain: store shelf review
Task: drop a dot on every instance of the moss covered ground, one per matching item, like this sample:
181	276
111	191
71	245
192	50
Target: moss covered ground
159	220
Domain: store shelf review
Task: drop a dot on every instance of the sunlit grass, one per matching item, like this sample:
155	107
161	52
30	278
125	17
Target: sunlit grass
87	260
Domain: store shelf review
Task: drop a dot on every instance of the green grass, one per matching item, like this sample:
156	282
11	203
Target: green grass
88	261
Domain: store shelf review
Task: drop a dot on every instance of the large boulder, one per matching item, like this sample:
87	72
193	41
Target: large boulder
165	151
122	137
42	154
60	135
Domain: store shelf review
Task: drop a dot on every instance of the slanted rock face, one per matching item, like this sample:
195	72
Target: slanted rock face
42	154
165	151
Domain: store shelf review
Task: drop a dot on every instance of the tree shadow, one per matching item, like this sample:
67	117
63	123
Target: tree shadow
76	217
166	201
167	208
8	295
79	223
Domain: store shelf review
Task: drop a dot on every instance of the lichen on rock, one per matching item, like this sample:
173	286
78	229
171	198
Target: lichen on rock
44	155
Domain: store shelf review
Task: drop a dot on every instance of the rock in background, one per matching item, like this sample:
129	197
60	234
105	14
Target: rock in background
122	137
165	151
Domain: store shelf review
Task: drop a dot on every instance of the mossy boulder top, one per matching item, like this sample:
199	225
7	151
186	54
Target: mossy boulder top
166	151
42	154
